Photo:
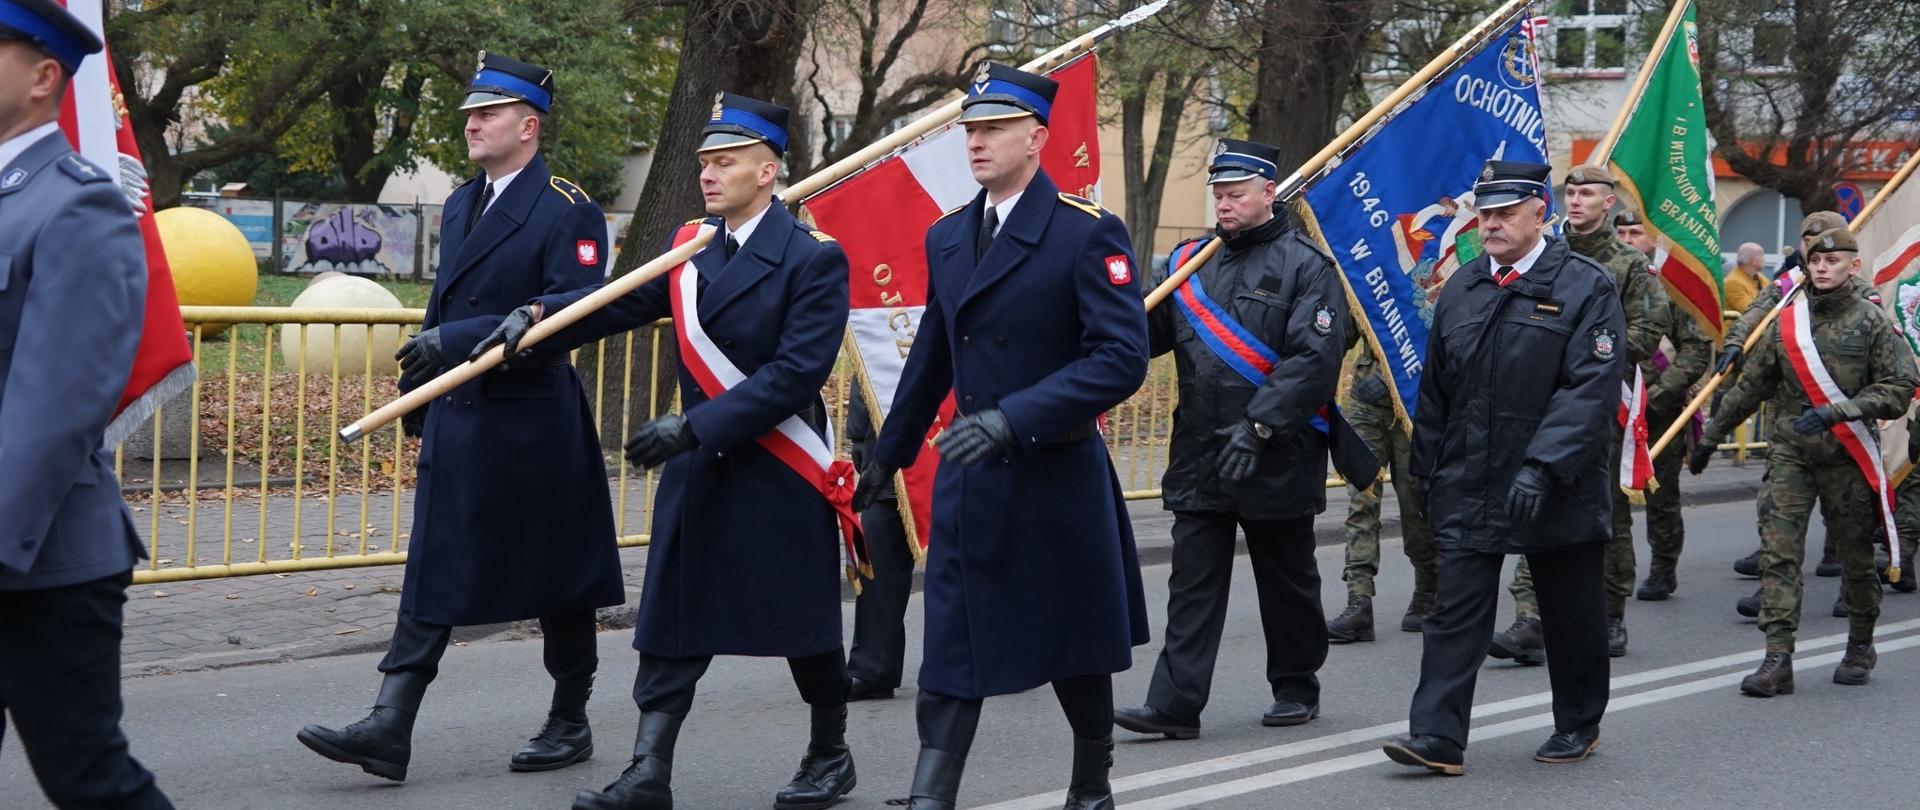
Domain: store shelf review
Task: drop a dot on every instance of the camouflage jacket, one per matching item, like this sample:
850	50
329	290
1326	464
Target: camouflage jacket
1688	350
1642	295
1860	347
1770	295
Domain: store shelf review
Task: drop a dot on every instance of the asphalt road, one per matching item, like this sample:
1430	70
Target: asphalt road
1677	734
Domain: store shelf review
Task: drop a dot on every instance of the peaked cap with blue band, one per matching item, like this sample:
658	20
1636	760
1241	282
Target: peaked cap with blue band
1235	160
499	80
738	120
49	26
1505	182
999	92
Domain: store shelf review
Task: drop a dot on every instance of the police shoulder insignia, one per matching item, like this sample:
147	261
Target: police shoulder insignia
1604	342
82	170
821	237
574	193
954	210
1323	319
1081	203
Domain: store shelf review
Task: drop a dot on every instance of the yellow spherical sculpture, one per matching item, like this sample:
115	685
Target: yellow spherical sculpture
338	291
211	261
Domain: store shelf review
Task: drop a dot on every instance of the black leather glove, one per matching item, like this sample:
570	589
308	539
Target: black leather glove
660	439
1528	497
1370	388
975	437
421	358
414	423
1729	360
1242	453
1814	420
508	333
1419	489
1913	440
876	481
1701	455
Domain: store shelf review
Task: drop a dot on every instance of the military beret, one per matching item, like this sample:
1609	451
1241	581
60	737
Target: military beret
1836	240
1589	175
49	26
1626	217
1820	222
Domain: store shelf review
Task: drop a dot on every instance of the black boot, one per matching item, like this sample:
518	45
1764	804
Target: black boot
647	783
936	780
1092	760
826	773
1659	585
1616	638
1749	606
566	739
1356	624
1840	606
1748	566
382	743
1417	611
1907	582
1775	676
1857	665
1829	564
1522	643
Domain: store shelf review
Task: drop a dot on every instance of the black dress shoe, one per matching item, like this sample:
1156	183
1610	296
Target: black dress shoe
1436	754
1567	747
561	743
1149	720
1289	713
858	690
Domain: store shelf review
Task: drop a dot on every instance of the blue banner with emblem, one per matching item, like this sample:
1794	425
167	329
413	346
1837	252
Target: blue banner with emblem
1397	213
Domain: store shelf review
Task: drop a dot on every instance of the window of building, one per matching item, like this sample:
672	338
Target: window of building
1590	35
1772	43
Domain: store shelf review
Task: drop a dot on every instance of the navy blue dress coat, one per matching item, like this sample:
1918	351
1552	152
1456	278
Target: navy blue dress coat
1032	575
73	287
511	519
745	554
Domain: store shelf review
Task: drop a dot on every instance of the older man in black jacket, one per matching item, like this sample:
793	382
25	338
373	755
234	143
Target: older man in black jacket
1522	380
1257	335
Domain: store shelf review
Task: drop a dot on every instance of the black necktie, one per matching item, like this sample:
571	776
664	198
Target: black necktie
1505	275
733	246
988	223
474	215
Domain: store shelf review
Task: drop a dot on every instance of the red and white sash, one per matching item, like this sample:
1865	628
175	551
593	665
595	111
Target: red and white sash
1636	464
1796	333
792	441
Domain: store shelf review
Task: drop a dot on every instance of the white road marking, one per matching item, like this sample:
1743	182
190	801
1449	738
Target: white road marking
1262	756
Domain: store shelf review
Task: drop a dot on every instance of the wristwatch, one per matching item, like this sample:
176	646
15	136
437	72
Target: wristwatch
1260	430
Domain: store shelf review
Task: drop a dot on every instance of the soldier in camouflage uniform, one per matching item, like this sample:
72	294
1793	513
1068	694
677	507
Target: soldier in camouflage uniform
1671	374
1813	225
1906	513
1873	369
1590	199
1369	408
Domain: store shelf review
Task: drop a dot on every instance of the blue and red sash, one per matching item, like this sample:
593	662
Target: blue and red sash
1247	355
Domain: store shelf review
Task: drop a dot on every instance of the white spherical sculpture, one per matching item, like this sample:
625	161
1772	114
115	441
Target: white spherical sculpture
343	292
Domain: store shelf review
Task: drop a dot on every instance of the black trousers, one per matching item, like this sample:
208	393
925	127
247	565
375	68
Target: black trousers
879	651
1287	578
667	685
60	683
1573	617
947	723
569	650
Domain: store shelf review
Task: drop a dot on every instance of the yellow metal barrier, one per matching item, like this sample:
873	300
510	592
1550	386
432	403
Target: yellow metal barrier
289	497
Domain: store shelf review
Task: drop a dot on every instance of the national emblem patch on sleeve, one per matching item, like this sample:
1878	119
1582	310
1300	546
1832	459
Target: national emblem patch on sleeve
1119	270
588	252
1323	319
1603	343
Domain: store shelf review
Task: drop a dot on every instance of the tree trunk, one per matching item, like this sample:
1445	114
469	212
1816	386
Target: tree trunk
1310	51
1146	170
748	47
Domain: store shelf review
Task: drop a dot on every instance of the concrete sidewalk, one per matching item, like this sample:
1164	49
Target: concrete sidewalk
207	624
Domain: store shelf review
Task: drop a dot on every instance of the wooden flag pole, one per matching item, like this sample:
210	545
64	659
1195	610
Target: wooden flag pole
1753	337
1185	269
553	322
1604	149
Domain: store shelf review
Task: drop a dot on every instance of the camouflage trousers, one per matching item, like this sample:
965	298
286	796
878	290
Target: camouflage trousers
1666	531
1619	563
1851	517
1376	426
1906	516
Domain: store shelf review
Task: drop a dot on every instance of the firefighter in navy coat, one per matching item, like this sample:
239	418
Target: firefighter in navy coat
745	555
1034	320
511	518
